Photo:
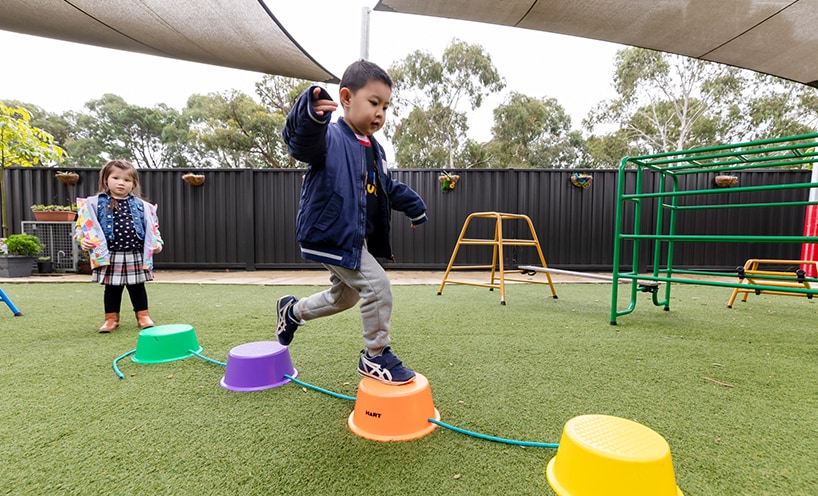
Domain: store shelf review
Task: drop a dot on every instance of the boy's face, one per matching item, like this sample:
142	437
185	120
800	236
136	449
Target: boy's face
365	109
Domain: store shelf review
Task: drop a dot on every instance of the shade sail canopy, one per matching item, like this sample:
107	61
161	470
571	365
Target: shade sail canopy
778	37
243	34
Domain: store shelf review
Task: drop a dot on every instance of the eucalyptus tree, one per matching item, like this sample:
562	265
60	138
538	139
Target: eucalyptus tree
278	94
535	132
778	107
669	102
431	99
84	149
152	137
232	130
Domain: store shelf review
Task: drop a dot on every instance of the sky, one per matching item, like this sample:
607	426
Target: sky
60	76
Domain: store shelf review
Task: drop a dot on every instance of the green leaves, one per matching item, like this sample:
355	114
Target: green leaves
420	142
432	98
534	132
54	208
636	68
669	102
149	135
233	130
24	244
217	130
23	144
278	93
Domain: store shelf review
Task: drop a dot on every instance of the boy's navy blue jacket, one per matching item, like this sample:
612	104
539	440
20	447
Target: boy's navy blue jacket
331	222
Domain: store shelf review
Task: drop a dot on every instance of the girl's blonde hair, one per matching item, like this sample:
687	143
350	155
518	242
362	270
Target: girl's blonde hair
123	165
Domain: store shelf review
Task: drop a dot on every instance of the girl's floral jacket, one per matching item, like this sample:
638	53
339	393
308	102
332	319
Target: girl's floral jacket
89	226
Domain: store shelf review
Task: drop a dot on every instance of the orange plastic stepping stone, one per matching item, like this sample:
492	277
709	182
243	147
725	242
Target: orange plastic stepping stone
393	413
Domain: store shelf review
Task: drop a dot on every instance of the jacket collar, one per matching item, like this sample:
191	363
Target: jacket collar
352	136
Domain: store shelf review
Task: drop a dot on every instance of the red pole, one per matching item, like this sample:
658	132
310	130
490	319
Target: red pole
809	251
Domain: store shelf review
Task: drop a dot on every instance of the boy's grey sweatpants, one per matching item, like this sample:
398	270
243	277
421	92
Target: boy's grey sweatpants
370	284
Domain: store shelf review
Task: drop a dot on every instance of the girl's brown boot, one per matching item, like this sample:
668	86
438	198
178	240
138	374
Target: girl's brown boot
111	322
143	319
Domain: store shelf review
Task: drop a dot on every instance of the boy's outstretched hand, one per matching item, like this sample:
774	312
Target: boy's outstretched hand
320	106
415	226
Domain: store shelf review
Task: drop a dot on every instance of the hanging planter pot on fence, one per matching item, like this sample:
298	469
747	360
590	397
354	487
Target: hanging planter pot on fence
68	178
448	181
193	179
581	180
726	181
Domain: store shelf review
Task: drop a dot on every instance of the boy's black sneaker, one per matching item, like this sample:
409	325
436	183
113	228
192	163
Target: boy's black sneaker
385	368
286	324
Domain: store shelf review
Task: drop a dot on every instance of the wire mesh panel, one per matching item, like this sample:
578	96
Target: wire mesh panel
57	242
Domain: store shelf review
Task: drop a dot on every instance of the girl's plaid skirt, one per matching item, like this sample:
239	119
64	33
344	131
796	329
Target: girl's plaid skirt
125	269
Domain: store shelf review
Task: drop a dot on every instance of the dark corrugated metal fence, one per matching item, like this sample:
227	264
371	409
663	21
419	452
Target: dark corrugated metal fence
245	219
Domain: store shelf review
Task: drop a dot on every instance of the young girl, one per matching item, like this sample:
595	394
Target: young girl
122	233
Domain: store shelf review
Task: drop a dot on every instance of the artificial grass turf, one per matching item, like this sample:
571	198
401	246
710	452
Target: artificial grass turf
518	371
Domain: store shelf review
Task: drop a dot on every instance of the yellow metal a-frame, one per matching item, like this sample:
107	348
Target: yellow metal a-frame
498	243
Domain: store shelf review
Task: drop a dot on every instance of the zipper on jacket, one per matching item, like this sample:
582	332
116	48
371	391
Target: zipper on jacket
361	209
388	214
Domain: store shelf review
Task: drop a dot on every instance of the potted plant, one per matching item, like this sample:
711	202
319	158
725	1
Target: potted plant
581	180
84	264
44	265
54	213
18	261
448	181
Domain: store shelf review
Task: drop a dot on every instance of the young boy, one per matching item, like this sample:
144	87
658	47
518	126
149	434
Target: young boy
345	210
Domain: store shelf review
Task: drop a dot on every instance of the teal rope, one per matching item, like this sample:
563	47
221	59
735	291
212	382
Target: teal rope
352	398
116	369
496	439
320	390
441	424
208	359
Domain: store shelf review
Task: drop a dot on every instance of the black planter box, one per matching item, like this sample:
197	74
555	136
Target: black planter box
16	266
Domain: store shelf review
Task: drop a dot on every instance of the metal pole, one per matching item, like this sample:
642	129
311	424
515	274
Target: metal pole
552	270
365	33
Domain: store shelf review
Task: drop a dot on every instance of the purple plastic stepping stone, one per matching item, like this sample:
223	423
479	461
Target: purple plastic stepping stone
257	366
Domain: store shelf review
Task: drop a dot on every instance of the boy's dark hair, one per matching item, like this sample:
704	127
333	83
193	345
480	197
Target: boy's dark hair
359	73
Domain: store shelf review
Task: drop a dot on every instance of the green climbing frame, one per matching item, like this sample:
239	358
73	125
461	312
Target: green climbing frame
772	153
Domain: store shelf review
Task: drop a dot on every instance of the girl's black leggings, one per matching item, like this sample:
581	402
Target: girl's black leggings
113	297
